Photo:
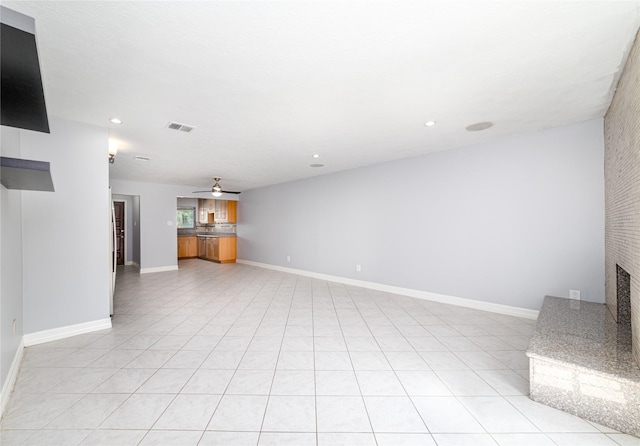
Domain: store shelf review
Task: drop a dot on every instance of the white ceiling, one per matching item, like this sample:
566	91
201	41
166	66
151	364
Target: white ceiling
267	84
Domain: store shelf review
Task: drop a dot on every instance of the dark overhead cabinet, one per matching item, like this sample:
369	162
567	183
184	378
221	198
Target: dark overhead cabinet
21	93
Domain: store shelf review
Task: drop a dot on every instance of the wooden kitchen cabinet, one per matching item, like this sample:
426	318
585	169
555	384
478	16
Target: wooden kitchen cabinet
232	211
223	211
187	247
220	211
218	249
193	247
202	247
205	208
227	249
212	249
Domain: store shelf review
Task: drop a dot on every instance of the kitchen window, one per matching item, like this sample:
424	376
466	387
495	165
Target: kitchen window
186	218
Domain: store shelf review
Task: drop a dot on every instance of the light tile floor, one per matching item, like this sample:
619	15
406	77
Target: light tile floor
236	355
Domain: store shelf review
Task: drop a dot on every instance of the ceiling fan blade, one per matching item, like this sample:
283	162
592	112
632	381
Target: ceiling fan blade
208	192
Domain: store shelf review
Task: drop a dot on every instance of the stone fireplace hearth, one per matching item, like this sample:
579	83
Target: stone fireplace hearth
580	361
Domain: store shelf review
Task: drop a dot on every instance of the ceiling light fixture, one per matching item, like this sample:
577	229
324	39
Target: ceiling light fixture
315	155
216	190
430	123
115	120
113	151
479	126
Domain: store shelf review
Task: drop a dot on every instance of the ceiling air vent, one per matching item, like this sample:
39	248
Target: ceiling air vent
182	127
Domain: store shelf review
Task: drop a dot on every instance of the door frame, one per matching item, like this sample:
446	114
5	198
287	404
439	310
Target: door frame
124	226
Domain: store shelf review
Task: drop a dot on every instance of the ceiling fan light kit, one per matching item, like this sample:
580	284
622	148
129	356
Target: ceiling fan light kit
216	190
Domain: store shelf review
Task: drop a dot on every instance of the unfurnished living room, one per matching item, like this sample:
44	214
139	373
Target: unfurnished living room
320	223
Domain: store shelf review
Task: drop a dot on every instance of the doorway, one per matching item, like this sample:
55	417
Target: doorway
120	234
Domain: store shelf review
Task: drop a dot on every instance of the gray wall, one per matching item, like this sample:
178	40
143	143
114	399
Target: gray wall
188	202
65	248
11	260
505	222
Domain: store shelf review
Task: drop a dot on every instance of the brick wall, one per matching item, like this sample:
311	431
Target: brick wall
622	189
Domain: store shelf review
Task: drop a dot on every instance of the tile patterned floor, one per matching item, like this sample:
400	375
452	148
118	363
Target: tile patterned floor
236	355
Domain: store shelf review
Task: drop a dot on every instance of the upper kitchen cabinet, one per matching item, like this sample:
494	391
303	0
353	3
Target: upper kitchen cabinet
221	211
232	212
217	211
206	208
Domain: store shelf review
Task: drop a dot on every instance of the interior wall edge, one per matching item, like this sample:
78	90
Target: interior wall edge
55	334
10	382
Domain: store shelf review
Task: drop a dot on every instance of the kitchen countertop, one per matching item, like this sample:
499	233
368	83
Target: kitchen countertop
209	234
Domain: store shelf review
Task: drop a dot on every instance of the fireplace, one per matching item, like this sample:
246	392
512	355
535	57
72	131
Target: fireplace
622	201
623	294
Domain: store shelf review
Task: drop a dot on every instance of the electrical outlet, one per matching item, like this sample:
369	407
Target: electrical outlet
169	223
358	268
288	258
574	294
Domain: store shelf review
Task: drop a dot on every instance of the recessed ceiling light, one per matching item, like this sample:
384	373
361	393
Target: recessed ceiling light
115	120
315	155
317	165
430	123
479	126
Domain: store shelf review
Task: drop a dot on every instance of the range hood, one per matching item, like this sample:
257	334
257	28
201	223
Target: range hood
22	102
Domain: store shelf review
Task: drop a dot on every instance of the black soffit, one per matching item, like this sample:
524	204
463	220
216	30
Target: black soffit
22	101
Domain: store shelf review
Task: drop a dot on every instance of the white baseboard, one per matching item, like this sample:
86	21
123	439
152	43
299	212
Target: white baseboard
40	337
158	269
435	297
10	382
128	263
136	264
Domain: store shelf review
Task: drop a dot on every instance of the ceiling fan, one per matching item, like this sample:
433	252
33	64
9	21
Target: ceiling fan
216	189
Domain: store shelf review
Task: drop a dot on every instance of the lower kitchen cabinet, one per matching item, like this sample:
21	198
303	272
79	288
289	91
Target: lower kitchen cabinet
227	249
218	249
212	248
187	247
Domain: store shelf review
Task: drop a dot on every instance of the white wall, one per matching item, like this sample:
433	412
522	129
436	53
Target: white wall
10	261
505	222
65	243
